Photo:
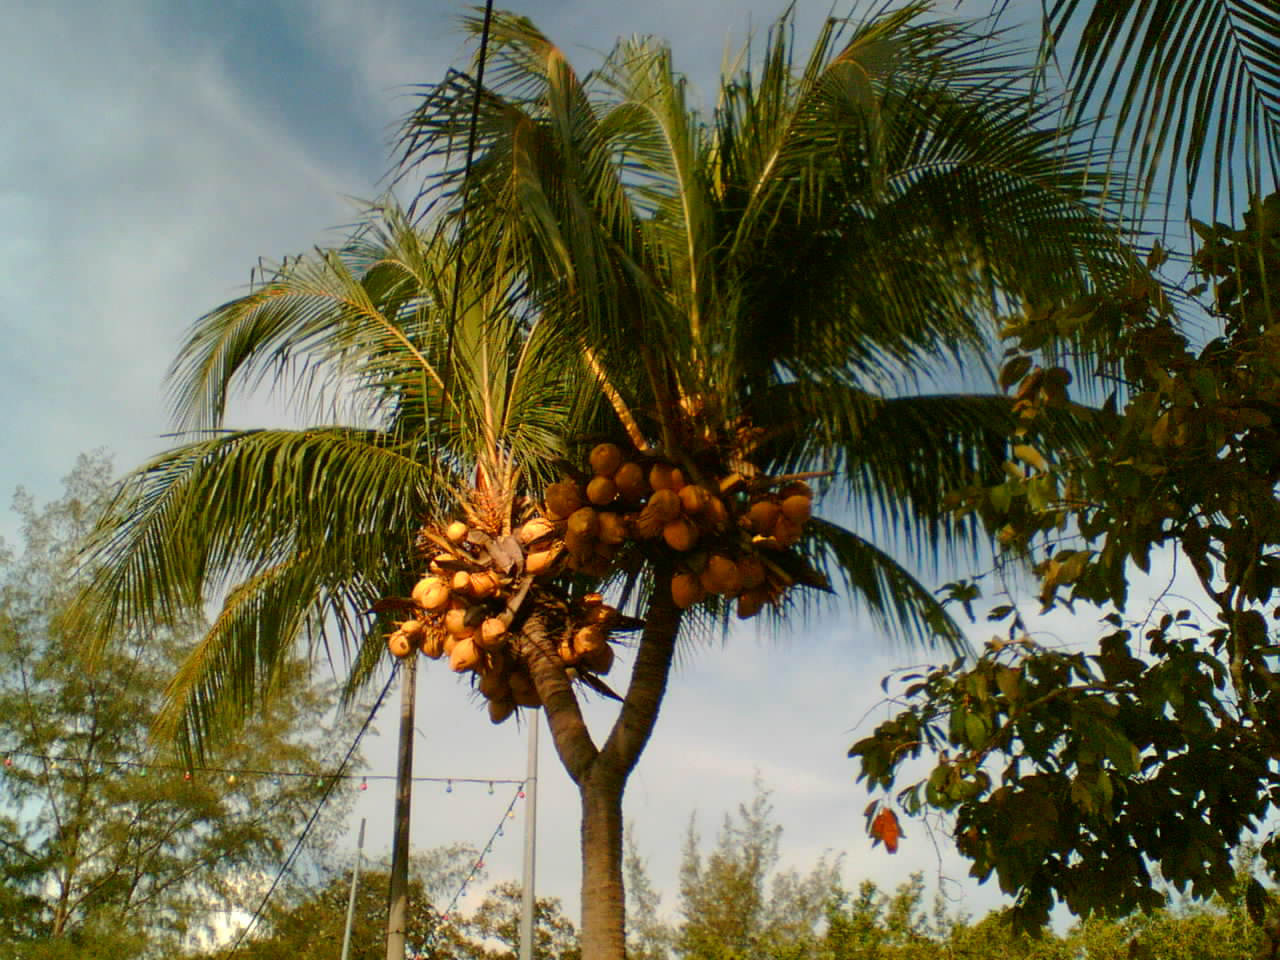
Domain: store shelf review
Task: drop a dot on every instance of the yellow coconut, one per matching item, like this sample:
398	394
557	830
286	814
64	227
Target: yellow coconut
431	593
715	515
580	547
600	613
786	531
563	499
541	561
798	508
662	508
680	534
686	590
413	630
762	515
483	584
447	645
399	644
535	530
751	602
631	483
493	633
455	621
605	459
500	710
693	499
465	655
590	637
613	528
456	532
599	660
583	524
493	685
752	569
722	576
602	490
523	691
665	476
461	582
566	653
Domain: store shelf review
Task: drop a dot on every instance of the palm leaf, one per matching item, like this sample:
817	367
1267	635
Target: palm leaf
897	602
1194	87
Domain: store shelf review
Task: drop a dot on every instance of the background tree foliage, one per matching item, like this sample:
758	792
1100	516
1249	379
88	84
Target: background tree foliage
106	848
1077	776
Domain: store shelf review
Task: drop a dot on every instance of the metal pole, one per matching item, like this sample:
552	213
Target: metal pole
398	899
530	841
351	900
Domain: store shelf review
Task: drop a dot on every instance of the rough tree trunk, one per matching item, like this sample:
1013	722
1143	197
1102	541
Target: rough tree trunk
601	772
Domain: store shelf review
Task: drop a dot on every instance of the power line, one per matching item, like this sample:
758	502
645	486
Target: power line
257	913
144	767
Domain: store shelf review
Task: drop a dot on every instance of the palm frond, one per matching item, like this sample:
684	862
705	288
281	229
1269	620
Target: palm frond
198	520
898	603
1195	86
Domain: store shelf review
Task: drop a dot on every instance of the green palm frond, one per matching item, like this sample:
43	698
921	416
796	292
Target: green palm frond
202	518
898	603
1194	84
237	664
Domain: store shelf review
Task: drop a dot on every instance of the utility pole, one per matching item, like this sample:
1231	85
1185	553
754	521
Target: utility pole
530	841
351	900
398	900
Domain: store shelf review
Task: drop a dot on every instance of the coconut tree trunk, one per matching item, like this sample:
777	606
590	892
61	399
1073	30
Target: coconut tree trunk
603	895
601	772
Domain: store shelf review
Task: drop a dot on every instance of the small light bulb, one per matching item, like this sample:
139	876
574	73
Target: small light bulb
449	787
364	783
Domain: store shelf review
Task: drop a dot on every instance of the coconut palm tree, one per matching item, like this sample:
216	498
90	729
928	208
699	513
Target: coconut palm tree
1193	88
761	292
679	319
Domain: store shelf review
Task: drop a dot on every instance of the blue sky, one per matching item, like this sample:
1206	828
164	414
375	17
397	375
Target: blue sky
152	151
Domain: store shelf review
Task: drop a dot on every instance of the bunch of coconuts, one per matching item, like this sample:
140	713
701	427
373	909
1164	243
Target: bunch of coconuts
731	536
729	533
476	588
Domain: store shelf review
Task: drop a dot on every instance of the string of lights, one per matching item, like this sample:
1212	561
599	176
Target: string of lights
478	865
143	768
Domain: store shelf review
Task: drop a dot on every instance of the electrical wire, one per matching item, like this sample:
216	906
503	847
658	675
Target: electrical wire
306	830
73	759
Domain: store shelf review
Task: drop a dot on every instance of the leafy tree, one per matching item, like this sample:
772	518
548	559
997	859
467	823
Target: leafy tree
1076	776
108	849
493	930
735	903
737	300
308	918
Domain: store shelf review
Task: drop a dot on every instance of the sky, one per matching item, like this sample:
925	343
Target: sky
151	152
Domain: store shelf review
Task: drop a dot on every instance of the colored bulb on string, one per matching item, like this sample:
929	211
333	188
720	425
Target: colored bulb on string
187	775
491	788
500	833
521	794
8	761
479	864
449	787
364	783
275	781
231	780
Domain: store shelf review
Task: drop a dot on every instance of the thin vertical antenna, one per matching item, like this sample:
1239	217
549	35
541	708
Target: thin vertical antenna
530	842
351	900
